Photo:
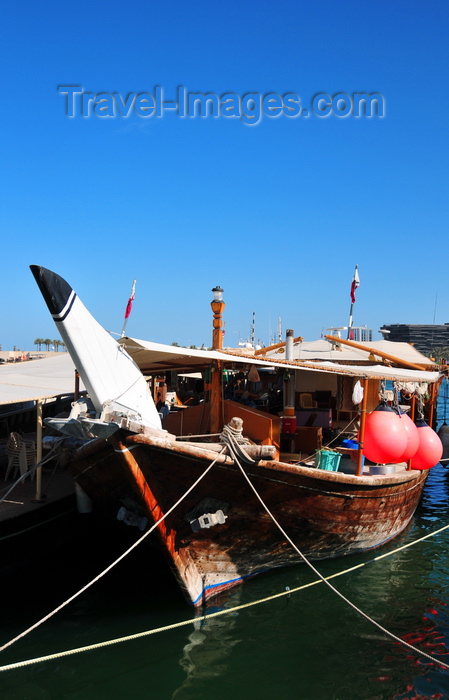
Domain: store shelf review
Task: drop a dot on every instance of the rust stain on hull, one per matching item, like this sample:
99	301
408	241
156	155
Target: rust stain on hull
325	514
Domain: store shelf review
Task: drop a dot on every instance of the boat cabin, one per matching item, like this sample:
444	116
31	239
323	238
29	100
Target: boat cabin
298	405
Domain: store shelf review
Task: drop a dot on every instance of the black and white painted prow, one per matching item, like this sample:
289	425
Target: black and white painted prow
110	375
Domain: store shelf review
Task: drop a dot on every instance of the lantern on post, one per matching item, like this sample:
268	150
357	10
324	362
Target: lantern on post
217	305
216	406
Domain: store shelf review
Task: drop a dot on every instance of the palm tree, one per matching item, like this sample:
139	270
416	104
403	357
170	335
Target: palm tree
47	342
439	354
38	342
56	343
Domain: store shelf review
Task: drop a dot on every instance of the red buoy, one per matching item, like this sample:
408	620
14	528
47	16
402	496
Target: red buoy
412	436
430	448
385	438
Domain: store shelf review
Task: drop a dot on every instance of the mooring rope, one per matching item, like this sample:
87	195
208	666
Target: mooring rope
219	613
320	576
336	437
234	447
114	563
232	437
202	435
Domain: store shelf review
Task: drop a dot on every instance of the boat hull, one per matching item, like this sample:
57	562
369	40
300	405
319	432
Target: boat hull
326	514
40	530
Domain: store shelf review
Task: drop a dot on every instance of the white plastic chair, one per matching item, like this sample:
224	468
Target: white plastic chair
21	455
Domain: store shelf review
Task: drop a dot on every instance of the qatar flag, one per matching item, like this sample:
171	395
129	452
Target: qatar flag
355	283
130	300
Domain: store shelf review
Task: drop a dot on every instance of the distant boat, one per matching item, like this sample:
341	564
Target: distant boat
221	531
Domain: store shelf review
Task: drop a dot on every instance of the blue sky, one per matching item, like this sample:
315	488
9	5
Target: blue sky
277	213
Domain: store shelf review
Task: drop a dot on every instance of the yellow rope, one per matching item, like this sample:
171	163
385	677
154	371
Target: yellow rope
329	585
111	566
232	443
218	613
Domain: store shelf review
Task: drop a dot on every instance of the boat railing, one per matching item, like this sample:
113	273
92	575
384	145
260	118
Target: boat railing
23	419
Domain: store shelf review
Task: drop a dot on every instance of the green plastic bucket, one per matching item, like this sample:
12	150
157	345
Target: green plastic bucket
328	460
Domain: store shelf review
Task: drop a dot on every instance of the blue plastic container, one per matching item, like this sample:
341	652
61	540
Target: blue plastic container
328	460
353	445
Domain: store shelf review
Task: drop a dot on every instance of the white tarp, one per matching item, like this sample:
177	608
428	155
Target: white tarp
37	379
326	350
54	376
155	357
379	372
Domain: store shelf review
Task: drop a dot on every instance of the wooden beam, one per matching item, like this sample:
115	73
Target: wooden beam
263	351
380	353
359	470
216	398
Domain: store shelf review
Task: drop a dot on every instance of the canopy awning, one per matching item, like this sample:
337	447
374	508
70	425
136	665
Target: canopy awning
326	350
377	372
155	357
37	379
55	376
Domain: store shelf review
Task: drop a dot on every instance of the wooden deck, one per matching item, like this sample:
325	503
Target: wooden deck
30	528
22	500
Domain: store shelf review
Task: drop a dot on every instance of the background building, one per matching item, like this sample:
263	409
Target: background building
361	334
425	338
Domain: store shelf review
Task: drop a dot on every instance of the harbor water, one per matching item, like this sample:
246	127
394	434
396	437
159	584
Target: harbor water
308	644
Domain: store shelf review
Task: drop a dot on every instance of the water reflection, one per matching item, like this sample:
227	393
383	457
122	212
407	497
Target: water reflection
434	506
204	656
310	645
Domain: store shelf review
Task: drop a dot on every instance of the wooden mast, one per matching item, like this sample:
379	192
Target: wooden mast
216	401
359	471
433	396
412	416
263	351
374	351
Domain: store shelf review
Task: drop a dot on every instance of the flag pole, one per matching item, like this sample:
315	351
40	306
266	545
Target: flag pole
129	306
354	284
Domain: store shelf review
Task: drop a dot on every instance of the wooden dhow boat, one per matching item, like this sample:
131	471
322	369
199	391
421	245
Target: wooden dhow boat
232	478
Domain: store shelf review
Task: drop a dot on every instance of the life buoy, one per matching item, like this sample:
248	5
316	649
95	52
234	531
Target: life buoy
385	439
430	449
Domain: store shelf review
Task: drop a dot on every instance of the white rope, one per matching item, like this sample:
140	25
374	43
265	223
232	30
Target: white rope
114	563
202	435
217	613
324	580
232	437
336	437
321	578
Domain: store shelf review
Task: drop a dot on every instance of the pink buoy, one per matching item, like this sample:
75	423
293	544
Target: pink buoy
412	436
430	448
385	438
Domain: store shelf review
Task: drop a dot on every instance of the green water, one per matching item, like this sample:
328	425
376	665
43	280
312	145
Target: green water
308	646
